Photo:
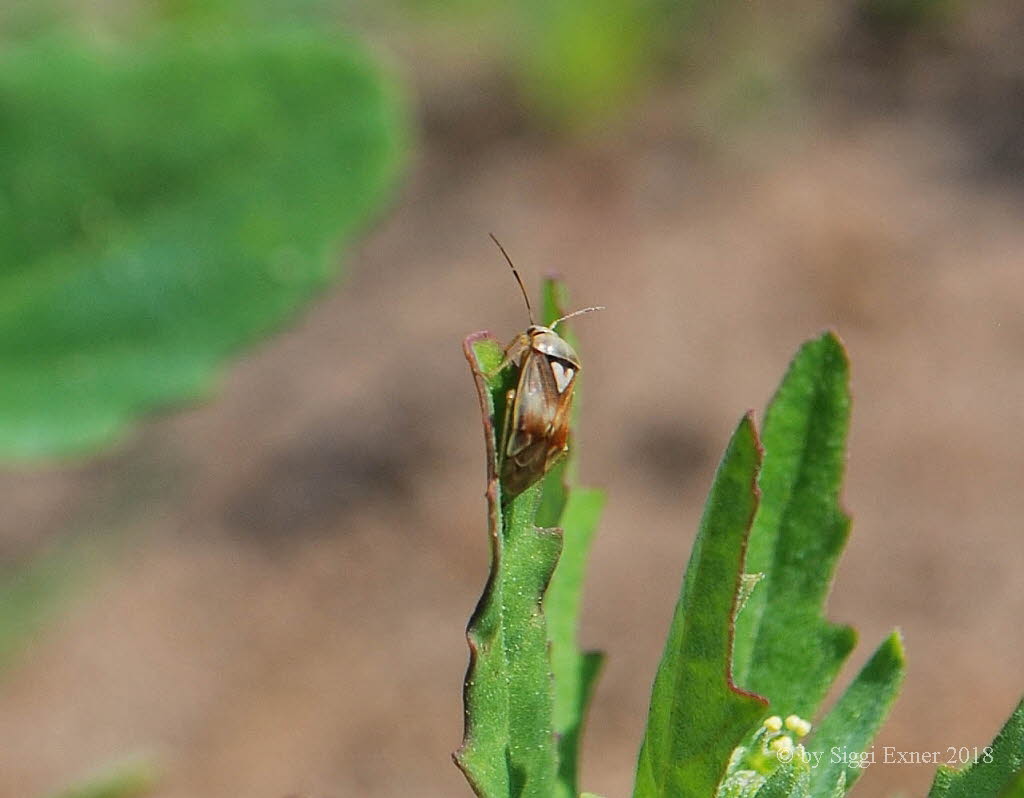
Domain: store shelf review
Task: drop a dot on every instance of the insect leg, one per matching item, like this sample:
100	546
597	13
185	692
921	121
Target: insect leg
512	353
506	427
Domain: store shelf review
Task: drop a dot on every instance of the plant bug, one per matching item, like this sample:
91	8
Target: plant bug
535	434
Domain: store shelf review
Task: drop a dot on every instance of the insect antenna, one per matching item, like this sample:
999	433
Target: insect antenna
576	313
519	280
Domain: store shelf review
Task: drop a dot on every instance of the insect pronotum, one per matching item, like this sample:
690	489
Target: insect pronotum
535	434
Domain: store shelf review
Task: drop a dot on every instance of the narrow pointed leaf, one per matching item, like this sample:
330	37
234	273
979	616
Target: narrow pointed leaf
509	747
559	478
556	482
697	716
575	671
576	511
852	723
785	649
990	779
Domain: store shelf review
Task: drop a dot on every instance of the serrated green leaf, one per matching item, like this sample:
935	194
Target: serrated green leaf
983	779
852	723
576	512
785	649
790	780
509	748
165	205
697	717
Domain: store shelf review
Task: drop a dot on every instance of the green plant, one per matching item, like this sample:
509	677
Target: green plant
514	709
748	645
166	203
581	61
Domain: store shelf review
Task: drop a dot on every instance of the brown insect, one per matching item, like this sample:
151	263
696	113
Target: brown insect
535	434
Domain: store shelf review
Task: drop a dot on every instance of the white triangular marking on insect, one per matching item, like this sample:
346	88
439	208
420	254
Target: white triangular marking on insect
563	375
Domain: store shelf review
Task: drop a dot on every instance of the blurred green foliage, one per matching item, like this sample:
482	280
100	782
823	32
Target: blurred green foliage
576	64
165	203
131	778
579	66
580	60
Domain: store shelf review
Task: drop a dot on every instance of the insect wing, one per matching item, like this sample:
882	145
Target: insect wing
558	436
533	410
538	431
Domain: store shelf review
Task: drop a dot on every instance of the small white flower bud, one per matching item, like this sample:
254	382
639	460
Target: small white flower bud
782	746
798	725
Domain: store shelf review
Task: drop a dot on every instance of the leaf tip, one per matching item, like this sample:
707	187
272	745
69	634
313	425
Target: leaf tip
894	645
833	350
747	429
476	344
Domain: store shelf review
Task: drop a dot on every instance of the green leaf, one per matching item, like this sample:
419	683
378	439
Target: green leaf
785	649
697	716
986	779
131	779
577	512
165	205
790	780
574	671
1015	789
852	723
509	744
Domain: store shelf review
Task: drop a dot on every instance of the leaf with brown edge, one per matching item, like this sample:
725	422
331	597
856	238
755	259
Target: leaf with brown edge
697	715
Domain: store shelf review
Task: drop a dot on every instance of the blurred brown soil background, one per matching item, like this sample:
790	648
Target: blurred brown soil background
298	556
